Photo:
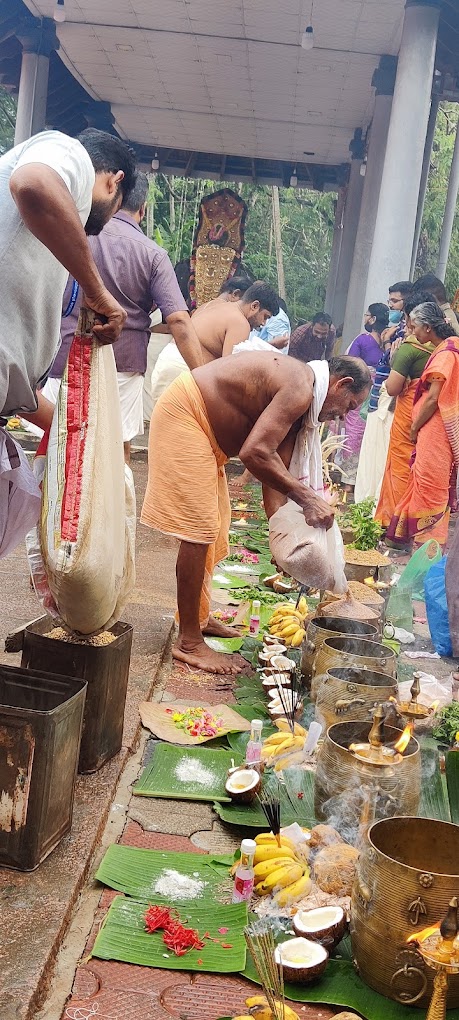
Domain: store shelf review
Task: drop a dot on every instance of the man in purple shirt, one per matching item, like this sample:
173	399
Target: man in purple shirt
139	274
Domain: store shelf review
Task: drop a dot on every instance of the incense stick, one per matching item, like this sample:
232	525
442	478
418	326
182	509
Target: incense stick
261	945
289	698
270	805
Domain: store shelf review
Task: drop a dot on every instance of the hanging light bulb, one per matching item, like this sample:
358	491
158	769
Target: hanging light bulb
294	178
155	162
307	39
59	11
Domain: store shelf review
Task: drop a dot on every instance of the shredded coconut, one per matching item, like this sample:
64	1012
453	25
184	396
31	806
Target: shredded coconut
189	770
176	886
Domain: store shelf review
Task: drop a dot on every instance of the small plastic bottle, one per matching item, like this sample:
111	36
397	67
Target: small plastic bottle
244	878
254	624
255	744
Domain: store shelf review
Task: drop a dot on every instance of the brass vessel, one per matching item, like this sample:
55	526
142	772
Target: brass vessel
360	571
350	693
336	652
407	874
322	627
396	787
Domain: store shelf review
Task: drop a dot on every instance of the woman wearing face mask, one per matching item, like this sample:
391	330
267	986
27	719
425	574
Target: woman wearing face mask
368	346
406	369
423	512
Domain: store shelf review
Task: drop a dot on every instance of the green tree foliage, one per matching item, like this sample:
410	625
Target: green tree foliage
7	120
307	227
448	116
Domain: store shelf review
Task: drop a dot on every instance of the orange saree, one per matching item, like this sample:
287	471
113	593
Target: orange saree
423	511
397	471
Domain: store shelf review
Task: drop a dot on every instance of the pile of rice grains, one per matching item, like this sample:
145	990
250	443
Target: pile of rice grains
62	634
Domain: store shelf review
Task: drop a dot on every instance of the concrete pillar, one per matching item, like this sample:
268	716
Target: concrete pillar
335	252
38	42
350	224
432	123
450	209
384	81
396	217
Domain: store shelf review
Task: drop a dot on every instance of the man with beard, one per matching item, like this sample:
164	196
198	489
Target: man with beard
54	190
140	275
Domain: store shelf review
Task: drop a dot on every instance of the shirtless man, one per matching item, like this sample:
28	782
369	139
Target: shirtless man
207	416
220	325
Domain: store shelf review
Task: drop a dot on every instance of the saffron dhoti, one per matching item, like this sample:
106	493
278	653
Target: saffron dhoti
187	493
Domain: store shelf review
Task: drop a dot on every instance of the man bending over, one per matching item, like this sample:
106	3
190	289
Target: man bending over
204	418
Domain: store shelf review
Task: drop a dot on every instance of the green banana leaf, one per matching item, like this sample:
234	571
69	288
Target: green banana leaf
452	780
227	645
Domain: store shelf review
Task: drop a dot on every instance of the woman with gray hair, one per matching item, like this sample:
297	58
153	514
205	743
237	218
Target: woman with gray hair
423	513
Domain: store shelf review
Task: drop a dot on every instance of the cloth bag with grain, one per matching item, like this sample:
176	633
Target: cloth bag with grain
82	553
312	556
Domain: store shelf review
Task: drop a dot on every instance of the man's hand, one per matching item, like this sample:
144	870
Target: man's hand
413	434
279	342
318	513
110	316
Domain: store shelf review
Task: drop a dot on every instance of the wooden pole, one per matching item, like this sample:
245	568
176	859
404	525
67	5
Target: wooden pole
278	242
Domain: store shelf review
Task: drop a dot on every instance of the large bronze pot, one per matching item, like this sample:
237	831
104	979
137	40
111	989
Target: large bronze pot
397	786
350	693
406	875
336	652
360	571
322	627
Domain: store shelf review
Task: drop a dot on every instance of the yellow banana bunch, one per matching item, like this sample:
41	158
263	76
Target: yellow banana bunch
280	870
269	852
284	727
293	892
287	623
273	748
259	1009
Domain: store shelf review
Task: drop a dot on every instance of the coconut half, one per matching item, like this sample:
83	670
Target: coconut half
281	663
326	925
243	785
271	652
302	960
272	682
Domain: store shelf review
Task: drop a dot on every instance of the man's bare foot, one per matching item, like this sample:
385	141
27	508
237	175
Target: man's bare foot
200	656
215	628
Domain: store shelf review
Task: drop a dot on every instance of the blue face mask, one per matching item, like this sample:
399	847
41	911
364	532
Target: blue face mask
394	317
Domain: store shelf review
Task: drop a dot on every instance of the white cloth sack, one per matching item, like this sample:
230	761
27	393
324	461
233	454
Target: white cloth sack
312	556
87	525
20	496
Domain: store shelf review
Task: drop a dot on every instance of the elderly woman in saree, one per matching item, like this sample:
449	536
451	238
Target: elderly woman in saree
406	369
423	512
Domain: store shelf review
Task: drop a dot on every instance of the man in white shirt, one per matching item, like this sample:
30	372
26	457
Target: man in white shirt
54	190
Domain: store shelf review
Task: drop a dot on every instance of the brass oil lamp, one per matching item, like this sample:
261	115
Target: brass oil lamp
439	948
376	751
412	710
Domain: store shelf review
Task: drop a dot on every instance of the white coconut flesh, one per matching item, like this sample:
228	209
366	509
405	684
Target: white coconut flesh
281	662
319	919
300	953
272	652
287	697
243	780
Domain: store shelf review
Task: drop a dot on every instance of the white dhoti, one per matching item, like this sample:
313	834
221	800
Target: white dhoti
169	366
130	388
373	451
